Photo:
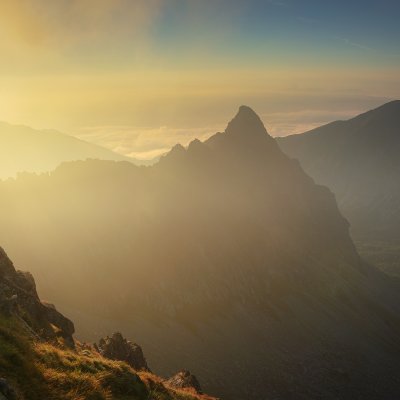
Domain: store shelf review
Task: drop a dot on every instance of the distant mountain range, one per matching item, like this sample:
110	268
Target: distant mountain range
225	257
359	160
23	149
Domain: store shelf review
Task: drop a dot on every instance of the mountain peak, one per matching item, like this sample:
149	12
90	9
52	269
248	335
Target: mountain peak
246	122
245	133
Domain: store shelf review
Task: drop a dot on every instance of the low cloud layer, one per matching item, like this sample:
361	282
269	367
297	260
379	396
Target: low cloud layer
143	143
146	143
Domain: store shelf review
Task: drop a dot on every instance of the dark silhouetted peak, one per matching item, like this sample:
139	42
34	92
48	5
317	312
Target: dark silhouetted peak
197	150
195	144
177	149
246	136
246	122
177	153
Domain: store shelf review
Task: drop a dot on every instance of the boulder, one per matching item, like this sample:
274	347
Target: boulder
118	348
185	380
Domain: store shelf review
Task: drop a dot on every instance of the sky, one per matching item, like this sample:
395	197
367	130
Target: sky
138	76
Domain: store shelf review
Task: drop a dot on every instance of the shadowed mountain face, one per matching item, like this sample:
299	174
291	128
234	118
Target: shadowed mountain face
359	161
23	149
224	257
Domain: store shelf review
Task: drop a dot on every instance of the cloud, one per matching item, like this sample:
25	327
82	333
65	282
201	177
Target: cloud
352	44
143	142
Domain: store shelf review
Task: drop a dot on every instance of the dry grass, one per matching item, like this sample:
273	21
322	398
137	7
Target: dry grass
160	385
45	371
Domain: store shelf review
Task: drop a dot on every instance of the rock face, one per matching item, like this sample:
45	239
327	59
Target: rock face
118	348
57	319
225	258
18	296
185	380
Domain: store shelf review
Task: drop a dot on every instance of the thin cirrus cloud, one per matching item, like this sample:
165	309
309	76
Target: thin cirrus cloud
353	44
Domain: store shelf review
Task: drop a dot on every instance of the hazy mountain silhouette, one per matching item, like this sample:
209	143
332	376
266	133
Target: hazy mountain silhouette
224	257
23	149
359	161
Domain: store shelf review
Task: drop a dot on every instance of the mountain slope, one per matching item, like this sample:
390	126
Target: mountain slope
359	161
40	359
26	149
225	253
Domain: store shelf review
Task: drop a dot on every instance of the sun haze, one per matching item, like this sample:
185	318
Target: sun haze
139	76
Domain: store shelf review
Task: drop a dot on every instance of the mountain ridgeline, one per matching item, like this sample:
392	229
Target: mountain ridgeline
359	161
23	149
225	253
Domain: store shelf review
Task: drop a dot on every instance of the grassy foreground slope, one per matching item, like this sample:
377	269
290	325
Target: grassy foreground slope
40	359
38	370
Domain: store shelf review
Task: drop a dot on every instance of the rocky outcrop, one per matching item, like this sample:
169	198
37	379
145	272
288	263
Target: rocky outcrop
118	348
18	297
185	380
31	327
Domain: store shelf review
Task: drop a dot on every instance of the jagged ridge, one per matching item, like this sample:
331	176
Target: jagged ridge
226	247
